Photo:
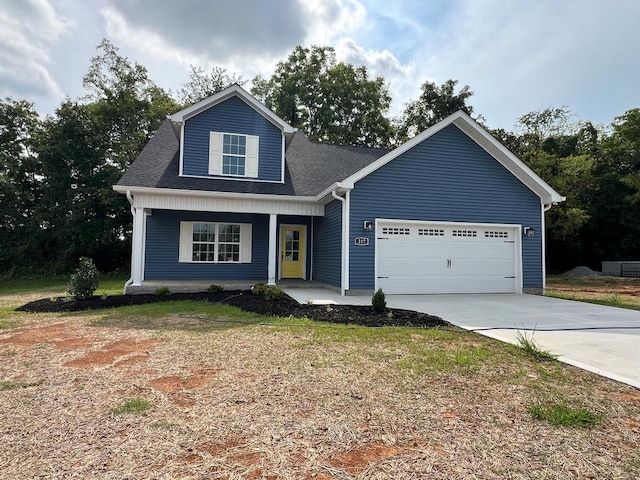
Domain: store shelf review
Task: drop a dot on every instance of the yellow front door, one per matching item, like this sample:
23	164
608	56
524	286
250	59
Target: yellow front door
292	251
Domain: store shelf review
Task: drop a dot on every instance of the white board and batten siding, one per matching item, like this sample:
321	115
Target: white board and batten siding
413	257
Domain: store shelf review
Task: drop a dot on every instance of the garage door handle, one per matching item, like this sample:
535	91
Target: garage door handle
448	263
382	277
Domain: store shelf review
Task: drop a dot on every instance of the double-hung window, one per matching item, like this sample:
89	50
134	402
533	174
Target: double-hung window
208	242
233	154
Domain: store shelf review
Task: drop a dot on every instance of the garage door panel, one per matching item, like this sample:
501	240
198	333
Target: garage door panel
424	258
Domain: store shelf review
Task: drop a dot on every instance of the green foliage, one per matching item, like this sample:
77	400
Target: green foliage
203	84
531	348
379	301
162	292
84	281
259	288
273	292
561	415
434	104
11	385
133	405
215	289
330	101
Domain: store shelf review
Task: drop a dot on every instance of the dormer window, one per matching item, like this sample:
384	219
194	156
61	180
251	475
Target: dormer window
233	155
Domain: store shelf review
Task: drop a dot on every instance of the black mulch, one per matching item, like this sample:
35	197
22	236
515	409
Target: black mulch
244	299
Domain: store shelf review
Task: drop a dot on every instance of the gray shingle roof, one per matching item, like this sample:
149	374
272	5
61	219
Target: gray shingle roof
310	167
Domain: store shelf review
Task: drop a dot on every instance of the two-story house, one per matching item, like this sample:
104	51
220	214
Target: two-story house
226	192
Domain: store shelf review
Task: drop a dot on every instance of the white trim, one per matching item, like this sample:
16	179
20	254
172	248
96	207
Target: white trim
344	241
181	163
484	140
138	246
230	177
280	256
311	238
169	192
516	228
273	249
543	239
237	91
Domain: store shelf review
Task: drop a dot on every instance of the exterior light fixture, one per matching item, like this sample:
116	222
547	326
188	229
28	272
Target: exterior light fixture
529	232
367	225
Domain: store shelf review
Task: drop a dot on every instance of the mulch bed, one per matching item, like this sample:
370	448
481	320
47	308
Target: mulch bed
244	299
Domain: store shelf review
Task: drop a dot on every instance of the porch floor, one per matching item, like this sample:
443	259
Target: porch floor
193	286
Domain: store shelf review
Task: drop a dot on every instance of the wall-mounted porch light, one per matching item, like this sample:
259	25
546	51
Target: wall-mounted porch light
367	225
529	231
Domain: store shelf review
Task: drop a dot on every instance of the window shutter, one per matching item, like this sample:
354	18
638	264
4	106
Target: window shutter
251	164
215	153
186	242
245	243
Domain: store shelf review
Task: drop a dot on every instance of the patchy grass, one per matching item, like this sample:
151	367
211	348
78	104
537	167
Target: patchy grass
11	384
611	292
136	405
190	389
560	414
109	284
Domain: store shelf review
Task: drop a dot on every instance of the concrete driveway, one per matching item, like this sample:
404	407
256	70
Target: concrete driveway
603	340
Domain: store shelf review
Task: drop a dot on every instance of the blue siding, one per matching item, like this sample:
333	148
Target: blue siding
447	178
162	248
327	245
232	116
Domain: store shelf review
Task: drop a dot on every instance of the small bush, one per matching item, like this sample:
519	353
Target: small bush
559	414
84	281
215	289
379	301
259	288
162	291
273	293
133	405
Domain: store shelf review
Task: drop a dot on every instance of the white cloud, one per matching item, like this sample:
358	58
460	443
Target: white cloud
27	31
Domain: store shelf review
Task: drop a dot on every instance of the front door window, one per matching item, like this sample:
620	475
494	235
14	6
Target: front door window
293	251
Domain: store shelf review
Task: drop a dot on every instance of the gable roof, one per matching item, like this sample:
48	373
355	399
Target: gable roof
485	140
237	91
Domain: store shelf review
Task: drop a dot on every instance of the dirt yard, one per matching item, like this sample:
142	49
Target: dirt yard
613	290
292	402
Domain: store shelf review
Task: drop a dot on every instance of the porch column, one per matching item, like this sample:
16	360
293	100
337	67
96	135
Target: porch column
273	242
137	250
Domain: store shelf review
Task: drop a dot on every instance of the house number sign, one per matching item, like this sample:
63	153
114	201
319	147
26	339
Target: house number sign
361	241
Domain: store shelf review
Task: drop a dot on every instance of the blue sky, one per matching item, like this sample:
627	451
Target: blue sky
517	56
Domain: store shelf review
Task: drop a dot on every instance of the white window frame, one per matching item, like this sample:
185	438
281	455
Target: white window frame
186	243
216	154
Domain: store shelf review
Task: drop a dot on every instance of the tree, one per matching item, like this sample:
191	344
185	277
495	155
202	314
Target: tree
127	105
434	104
330	101
20	127
203	84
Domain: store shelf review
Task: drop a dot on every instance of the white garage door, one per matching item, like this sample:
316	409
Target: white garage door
416	258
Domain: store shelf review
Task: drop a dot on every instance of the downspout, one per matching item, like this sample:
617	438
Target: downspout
545	207
343	256
133	214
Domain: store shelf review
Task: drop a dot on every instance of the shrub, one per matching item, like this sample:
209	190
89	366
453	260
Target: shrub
273	293
215	289
162	291
259	288
378	301
84	281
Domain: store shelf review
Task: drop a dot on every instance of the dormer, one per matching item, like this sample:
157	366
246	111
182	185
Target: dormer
232	136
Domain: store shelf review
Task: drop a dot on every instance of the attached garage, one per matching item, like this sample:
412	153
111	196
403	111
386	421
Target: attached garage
423	257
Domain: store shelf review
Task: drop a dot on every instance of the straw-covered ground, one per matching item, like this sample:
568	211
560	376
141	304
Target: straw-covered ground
198	390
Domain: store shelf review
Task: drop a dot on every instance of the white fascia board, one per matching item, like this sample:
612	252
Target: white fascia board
338	187
201	193
485	140
233	90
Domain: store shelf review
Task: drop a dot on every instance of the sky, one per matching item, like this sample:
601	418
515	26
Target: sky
517	56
